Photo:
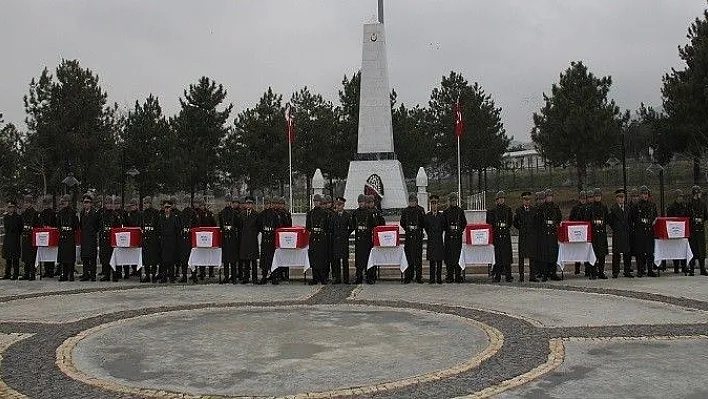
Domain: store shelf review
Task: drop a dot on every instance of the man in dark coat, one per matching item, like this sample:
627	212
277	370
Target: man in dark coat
170	231
523	222
455	223
598	215
68	224
371	204
501	218
151	240
248	250
362	223
633	201
579	213
538	225
698	215
284	219
90	227
11	249
318	224
341	222
413	223
30	220
48	218
188	218
108	219
435	251
550	218
230	226
267	224
678	208
618	221
133	218
642	217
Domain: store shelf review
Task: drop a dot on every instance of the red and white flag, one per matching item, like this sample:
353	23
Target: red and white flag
290	123
459	122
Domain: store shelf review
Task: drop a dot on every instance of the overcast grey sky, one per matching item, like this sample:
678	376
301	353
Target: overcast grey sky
514	49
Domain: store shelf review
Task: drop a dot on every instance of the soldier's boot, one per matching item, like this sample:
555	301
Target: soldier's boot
692	268
63	272
532	271
15	270
345	271
650	268
601	271
507	271
227	273
254	271
211	272
702	264
521	271
431	273
458	274
577	268
146	278
677	265
134	271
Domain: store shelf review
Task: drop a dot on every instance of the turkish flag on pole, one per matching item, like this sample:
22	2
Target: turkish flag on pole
459	122
290	123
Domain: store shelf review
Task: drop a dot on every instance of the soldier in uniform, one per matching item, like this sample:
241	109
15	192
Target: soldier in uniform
169	229
362	224
501	218
372	274
285	219
107	219
698	215
413	223
68	223
11	248
579	213
454	223
633	201
30	220
132	219
642	216
435	252
618	220
598	215
267	224
678	209
248	250
229	224
523	222
90	227
341	222
188	218
550	218
151	240
538	225
318	224
48	218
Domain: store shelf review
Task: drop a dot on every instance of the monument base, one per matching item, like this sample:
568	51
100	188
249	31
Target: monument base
390	172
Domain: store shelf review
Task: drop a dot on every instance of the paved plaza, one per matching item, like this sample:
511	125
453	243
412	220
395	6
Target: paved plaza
634	338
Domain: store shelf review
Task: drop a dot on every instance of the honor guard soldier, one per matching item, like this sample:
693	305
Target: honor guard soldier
523	222
413	223
362	224
203	218
501	218
285	219
341	229
642	216
230	226
188	218
151	240
435	251
317	223
372	274
579	213
90	228
618	220
538	226
248	251
267	224
11	248
633	201
679	208
550	217
30	220
68	223
170	230
108	219
132	219
455	223
698	215
598	215
48	218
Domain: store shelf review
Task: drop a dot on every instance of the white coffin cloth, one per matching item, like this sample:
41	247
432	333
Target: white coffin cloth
291	257
46	254
204	257
575	252
126	257
672	249
388	256
477	255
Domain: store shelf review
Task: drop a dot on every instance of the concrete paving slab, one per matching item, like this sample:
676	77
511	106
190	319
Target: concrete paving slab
679	286
548	307
72	307
630	369
276	351
11	288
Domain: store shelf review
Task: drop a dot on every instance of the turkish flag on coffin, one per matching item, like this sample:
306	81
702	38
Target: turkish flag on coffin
126	237
45	237
292	237
386	236
206	237
666	228
479	234
574	232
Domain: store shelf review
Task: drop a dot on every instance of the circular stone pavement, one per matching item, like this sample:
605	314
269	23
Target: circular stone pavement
266	351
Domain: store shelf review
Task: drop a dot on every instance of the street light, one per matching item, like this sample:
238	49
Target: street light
657	168
612	163
132	173
70	182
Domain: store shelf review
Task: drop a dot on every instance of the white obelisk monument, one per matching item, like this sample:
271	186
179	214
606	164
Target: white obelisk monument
375	168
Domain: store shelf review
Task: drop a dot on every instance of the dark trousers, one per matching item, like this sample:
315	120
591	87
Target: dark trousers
67	271
361	258
521	268
340	269
414	256
626	260
167	270
89	267
30	270
680	265
12	268
248	268
435	274
452	269
599	267
644	265
701	263
266	262
551	269
500	270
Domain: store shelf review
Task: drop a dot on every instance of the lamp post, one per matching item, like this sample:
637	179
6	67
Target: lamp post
624	163
654	168
612	163
70	182
132	173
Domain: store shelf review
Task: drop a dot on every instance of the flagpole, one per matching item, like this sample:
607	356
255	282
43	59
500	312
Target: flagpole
459	174
290	161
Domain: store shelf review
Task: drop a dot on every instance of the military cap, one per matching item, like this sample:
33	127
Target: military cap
239	200
327	199
434	198
633	192
267	200
47	200
317	198
597	192
526	194
341	199
147	200
412	197
28	198
678	193
644	190
452	197
65	198
361	198
369	198
548	192
695	190
133	202
583	194
281	200
619	192
173	200
87	196
167	201
249	199
500	194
